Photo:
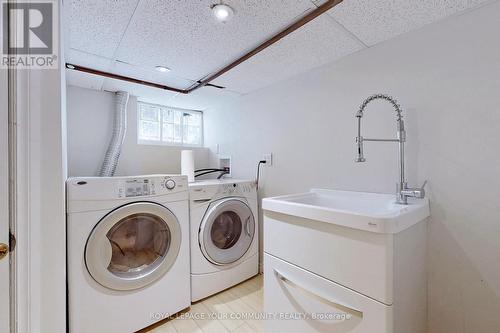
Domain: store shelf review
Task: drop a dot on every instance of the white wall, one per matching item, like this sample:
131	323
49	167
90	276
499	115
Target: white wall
90	121
446	77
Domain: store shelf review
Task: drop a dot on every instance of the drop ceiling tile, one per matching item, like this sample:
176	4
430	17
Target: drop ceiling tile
97	26
104	64
84	80
184	36
153	95
318	42
203	98
84	59
150	74
374	21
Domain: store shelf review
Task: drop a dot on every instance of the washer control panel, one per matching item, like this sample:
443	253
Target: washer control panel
104	188
136	187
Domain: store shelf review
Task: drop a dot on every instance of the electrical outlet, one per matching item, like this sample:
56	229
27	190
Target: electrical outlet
269	159
225	162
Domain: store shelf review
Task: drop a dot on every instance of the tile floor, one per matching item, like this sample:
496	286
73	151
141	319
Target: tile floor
220	313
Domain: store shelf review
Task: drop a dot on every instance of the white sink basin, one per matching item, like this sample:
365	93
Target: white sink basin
373	212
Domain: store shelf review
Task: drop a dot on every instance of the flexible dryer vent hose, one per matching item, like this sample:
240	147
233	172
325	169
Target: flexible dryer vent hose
119	129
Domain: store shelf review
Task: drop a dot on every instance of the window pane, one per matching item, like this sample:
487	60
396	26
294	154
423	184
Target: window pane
177	116
192	128
192	135
177	133
167	116
167	132
192	118
169	125
149	112
149	130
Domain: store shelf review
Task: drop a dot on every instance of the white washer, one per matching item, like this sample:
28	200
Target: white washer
224	235
128	251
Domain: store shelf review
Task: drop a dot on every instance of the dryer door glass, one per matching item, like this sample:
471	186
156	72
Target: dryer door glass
227	231
133	246
138	242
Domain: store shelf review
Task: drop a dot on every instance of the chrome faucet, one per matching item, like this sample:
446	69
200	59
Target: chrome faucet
402	189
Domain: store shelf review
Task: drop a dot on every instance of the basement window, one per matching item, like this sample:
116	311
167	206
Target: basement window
163	125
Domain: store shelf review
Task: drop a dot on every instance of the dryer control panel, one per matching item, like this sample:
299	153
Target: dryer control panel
237	188
205	191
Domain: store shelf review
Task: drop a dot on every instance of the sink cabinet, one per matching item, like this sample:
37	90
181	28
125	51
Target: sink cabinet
292	293
315	266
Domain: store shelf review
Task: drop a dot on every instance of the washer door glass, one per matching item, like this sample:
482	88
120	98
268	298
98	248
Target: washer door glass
227	231
138	242
133	246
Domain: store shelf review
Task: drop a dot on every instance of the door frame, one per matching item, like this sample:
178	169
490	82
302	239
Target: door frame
8	153
5	293
37	165
19	296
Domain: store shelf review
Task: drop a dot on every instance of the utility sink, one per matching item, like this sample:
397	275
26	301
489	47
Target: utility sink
362	254
375	212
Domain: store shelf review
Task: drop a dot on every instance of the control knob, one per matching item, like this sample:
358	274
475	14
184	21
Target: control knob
170	184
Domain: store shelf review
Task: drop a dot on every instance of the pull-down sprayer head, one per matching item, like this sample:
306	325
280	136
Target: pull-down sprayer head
359	141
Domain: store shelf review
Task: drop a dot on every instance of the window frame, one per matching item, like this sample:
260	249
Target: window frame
160	142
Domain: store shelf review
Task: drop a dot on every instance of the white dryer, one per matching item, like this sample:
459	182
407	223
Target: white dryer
224	234
128	251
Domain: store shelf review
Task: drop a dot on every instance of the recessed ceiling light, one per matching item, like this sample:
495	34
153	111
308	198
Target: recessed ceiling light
222	13
162	69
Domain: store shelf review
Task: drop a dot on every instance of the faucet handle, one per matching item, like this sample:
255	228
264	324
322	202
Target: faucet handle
420	193
415	192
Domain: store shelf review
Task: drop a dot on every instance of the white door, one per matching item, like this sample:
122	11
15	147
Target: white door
4	203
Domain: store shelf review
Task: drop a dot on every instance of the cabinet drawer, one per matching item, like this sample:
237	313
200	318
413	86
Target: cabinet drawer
300	301
360	260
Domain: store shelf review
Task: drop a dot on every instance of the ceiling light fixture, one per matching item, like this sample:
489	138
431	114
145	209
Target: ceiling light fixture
162	69
222	13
